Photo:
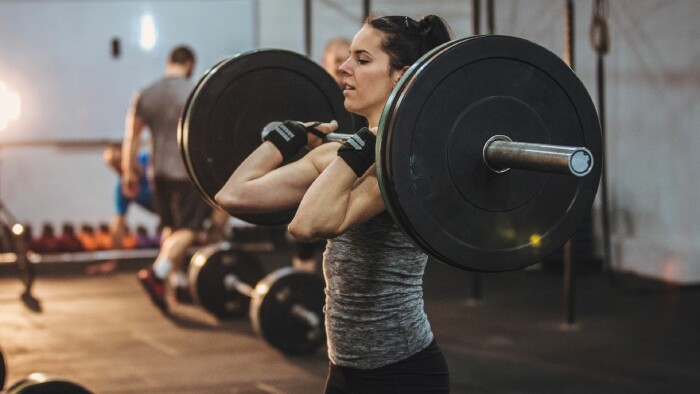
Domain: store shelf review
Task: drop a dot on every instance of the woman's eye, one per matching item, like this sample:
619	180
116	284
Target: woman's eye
362	61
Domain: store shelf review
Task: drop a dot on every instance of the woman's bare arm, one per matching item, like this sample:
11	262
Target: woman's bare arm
336	202
260	185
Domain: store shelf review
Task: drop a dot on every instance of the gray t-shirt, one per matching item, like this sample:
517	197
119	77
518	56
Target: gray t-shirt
160	105
374	296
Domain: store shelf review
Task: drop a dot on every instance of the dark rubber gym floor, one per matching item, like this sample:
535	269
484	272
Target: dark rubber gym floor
102	332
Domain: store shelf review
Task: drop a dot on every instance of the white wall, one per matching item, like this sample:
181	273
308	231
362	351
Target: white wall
653	88
57	55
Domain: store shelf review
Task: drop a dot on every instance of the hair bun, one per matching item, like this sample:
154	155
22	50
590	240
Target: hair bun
425	25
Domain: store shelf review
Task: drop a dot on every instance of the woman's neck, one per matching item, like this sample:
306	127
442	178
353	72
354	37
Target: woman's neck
373	120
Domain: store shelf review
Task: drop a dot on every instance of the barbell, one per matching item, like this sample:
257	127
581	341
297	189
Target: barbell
3	370
285	307
488	149
38	383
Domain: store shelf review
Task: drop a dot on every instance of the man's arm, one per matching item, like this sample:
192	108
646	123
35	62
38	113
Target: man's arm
130	148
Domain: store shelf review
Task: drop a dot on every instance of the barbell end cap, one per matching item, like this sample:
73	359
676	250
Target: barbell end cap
581	162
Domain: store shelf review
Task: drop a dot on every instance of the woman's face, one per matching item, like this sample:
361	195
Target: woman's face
368	79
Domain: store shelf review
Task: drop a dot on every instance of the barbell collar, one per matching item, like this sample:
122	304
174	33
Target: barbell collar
501	154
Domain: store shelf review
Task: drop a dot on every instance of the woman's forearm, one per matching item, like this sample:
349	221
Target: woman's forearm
337	201
236	192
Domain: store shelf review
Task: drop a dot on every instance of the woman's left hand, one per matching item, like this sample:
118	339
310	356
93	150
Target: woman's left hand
326	128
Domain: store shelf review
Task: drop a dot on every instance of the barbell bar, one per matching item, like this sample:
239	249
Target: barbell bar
501	154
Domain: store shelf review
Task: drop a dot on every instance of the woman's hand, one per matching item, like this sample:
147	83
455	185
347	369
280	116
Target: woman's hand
314	140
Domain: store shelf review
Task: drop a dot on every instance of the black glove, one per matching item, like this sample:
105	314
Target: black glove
289	137
358	151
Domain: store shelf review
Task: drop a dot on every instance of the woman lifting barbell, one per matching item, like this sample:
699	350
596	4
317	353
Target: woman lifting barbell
379	338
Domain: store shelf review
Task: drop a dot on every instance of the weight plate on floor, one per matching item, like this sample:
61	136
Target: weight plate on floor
234	100
287	310
432	132
38	383
3	370
208	272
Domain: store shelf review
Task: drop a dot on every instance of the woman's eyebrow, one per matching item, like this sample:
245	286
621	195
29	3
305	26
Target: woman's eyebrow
360	52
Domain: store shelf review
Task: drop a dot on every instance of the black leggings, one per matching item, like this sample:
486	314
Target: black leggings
424	372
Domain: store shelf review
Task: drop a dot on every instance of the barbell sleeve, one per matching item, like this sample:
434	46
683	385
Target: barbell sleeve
501	154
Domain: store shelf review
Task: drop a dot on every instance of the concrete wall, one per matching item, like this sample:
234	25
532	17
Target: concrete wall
653	88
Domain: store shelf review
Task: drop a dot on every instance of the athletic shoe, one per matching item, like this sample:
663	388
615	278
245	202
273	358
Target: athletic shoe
155	288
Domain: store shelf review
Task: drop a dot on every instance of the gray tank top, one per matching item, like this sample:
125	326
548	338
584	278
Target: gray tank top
374	296
160	105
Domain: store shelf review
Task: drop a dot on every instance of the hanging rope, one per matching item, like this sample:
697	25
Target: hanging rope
490	17
569	29
476	17
568	285
599	35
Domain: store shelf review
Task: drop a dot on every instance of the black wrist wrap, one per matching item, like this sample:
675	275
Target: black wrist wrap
358	151
289	137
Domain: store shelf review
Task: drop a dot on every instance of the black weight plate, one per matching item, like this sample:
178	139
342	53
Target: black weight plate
38	383
431	136
208	270
181	121
3	370
272	310
234	100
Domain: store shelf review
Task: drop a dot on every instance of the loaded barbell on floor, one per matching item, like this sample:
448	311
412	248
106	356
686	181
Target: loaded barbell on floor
3	370
38	383
449	173
285	307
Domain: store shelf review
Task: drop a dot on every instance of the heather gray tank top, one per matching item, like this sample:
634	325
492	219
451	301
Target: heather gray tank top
160	105
374	296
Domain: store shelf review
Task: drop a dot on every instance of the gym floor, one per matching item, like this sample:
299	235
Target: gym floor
102	332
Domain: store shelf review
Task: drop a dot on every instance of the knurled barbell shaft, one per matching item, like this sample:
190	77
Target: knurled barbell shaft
502	154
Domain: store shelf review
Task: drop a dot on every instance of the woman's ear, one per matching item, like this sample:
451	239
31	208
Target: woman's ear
399	73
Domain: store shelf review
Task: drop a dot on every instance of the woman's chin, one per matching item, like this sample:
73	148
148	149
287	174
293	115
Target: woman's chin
351	108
